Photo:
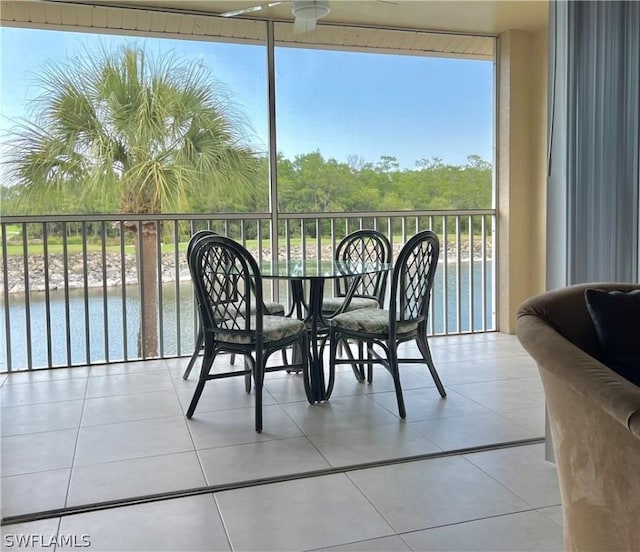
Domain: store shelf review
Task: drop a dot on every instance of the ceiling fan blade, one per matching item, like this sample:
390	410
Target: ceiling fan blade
303	25
251	9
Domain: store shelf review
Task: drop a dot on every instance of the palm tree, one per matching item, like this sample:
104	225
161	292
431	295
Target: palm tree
138	129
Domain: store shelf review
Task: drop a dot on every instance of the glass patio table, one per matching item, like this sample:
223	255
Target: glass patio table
296	272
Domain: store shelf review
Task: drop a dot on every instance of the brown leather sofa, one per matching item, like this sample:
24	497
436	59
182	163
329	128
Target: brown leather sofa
594	415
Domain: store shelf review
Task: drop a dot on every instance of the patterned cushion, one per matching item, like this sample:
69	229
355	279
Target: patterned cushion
274	308
274	328
374	321
332	304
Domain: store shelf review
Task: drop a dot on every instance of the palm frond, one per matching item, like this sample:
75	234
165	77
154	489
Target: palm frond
148	129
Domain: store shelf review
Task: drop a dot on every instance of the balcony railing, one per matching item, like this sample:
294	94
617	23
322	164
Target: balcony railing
71	291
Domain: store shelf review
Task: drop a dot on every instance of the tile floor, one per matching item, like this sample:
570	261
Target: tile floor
84	435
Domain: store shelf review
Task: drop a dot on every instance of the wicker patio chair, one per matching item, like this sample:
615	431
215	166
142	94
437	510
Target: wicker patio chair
405	319
271	307
364	246
228	288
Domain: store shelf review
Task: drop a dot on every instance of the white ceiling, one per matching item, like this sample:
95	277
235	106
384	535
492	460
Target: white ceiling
471	16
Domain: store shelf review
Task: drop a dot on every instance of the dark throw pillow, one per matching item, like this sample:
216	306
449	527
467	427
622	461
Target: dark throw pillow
616	317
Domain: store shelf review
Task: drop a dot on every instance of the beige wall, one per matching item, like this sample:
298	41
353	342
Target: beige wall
521	186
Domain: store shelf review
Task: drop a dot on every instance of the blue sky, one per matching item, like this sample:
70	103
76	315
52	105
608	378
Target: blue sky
340	103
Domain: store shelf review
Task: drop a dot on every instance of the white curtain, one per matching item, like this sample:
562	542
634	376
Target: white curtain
594	142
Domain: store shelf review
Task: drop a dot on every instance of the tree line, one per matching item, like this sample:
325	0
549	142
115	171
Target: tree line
308	183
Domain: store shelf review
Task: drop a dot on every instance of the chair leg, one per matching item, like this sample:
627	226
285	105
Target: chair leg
207	362
258	376
233	359
358	369
196	353
334	339
247	377
370	365
361	355
305	361
395	373
423	346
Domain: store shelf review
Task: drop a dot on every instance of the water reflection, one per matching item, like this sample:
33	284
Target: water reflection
90	327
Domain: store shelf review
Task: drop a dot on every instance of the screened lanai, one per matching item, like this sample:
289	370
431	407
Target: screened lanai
108	397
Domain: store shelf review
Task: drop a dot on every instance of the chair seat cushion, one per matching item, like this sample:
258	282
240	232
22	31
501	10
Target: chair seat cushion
274	308
372	321
332	304
274	328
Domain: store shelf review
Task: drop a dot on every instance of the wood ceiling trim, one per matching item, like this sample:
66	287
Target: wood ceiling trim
122	20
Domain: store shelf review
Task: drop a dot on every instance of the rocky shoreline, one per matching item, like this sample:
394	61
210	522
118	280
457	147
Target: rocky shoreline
111	273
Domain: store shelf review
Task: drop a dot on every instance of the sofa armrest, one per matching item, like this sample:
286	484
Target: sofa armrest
587	376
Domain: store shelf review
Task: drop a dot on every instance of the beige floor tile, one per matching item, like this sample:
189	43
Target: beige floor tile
384	544
29	537
34	492
218	395
179	524
554	513
504	395
35	452
471	431
430	493
43	392
129	383
412	376
338	414
524	471
128	368
286	390
136	477
177	366
530	418
34	376
441	354
127	408
487	369
371	444
237	427
526	532
427	404
346	385
260	460
142	438
299	515
34	418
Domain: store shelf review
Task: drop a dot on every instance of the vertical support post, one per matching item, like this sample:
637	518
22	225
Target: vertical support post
273	152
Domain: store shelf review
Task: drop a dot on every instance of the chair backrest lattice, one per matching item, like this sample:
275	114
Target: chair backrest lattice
413	277
194	239
364	246
228	285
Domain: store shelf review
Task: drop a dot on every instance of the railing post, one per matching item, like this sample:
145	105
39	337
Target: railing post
5	295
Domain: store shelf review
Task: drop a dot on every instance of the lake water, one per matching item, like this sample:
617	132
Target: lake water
85	339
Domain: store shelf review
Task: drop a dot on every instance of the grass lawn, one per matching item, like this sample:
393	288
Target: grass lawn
76	248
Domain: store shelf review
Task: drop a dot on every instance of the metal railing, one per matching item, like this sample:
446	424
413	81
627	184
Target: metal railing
71	287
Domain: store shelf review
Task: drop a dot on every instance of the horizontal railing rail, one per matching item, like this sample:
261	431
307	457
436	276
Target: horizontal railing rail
72	291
